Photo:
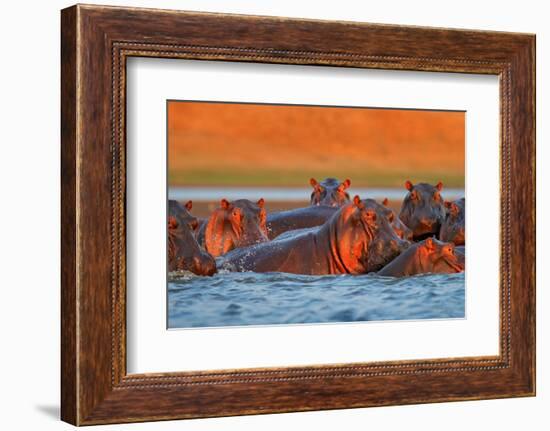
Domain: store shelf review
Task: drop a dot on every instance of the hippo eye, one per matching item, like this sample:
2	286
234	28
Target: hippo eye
172	223
236	213
371	215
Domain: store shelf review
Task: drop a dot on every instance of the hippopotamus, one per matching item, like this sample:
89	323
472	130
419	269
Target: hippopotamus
428	256
357	239
184	253
234	224
398	226
305	216
452	228
176	209
326	198
299	218
329	192
423	210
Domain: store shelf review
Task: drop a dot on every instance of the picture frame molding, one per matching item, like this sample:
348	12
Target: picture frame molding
96	41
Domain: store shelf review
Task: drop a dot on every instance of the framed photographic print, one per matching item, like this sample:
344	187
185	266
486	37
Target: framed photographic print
266	215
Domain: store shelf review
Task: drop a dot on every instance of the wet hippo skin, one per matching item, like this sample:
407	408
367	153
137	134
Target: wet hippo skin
234	224
357	239
182	213
429	256
398	226
299	218
423	209
184	253
327	196
453	227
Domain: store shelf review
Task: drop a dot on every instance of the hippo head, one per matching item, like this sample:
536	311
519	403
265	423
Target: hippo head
438	257
184	253
181	212
452	228
398	226
429	256
423	209
235	224
362	239
329	192
386	244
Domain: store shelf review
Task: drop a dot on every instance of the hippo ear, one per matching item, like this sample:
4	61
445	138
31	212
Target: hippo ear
189	205
224	204
429	244
343	186
357	201
408	185
439	186
385	202
448	204
261	202
313	182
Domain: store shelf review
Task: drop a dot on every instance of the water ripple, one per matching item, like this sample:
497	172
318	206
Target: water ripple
229	299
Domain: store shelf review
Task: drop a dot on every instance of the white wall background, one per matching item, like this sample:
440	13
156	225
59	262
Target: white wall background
29	214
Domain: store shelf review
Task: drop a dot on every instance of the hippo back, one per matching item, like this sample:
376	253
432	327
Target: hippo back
298	218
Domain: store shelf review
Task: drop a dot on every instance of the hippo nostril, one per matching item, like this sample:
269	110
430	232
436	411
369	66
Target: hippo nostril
426	223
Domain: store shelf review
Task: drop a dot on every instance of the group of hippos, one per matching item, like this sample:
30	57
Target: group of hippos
333	235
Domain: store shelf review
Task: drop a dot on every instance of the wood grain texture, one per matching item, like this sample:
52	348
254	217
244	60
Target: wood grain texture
96	41
69	367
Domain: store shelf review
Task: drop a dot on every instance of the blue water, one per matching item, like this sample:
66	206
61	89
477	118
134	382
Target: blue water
237	299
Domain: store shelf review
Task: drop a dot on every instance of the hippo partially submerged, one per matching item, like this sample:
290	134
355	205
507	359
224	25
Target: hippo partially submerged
329	192
453	227
184	253
299	218
327	196
428	256
398	226
357	239
423	209
182	212
234	224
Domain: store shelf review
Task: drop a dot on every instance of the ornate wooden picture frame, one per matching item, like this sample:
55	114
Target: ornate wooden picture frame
96	42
